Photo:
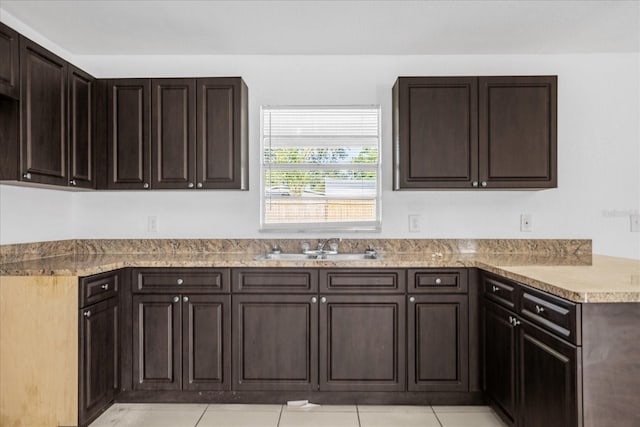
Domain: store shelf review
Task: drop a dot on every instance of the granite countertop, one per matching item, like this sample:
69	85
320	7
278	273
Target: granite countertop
579	278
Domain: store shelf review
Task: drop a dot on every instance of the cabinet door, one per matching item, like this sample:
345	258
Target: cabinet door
518	131
157	349
362	341
173	129
81	119
206	342
222	134
438	334
275	342
435	132
499	359
549	385
129	154
98	358
43	148
9	62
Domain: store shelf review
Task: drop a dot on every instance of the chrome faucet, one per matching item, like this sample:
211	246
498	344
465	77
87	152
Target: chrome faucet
333	246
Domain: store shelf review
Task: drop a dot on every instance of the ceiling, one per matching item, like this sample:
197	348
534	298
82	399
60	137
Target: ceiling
332	27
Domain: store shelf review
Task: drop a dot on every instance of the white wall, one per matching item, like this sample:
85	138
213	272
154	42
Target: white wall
598	151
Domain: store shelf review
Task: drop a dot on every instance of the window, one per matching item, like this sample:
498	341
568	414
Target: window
321	168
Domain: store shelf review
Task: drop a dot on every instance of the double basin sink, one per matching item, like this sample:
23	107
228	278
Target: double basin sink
319	255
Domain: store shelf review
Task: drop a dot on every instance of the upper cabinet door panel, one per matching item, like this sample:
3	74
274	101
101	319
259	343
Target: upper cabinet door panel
81	141
129	157
173	133
222	133
436	132
43	115
518	131
9	62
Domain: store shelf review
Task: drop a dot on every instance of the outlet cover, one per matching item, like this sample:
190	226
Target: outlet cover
635	223
526	222
152	224
415	223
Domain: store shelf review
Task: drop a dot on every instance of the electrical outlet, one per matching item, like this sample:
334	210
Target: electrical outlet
635	223
415	223
152	224
526	222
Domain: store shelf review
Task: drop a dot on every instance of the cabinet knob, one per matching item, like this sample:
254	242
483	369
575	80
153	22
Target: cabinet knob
314	300
199	185
484	183
474	184
516	322
323	300
145	185
105	287
185	299
539	309
412	299
179	281
190	185
26	175
176	299
87	314
438	281
494	288
73	182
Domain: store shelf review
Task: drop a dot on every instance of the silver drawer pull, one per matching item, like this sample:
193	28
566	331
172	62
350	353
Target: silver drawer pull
179	281
185	299
176	299
494	288
412	299
438	281
539	309
314	300
105	287
87	313
323	300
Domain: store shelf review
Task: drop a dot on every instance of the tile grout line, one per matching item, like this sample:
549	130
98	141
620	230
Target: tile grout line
280	415
436	415
206	408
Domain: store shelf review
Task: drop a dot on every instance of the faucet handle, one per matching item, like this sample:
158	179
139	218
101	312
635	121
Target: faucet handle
275	249
305	246
334	246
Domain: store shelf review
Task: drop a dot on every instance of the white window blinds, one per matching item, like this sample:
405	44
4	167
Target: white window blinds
321	168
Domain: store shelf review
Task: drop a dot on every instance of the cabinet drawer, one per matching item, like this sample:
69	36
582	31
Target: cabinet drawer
362	280
275	280
182	280
554	314
502	291
438	281
98	288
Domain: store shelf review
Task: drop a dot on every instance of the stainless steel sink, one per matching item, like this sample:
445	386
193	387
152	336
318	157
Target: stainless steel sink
319	257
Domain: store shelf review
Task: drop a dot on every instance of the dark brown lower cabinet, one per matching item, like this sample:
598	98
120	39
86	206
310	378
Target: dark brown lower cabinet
550	390
362	341
275	342
179	342
98	358
438	343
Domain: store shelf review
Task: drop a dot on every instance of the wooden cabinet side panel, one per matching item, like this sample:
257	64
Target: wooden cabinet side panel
38	351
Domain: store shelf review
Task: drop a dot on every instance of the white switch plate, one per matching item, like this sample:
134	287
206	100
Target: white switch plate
415	223
152	224
526	222
635	223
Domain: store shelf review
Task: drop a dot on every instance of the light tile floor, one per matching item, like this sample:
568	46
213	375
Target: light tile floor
223	415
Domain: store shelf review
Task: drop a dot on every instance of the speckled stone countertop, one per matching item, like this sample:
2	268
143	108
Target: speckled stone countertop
564	268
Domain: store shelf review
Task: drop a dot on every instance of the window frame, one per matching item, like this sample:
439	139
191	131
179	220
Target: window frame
301	227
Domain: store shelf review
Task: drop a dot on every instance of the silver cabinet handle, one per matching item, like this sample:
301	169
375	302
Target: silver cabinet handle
511	319
494	288
176	299
438	281
484	183
190	185
73	182
26	175
323	300
539	309
199	185
87	314
145	185
314	300
516	322
474	184
105	287
179	281
412	299
185	299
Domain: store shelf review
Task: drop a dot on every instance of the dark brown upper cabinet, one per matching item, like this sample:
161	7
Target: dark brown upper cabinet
128	134
475	132
82	87
9	62
222	136
43	147
173	133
